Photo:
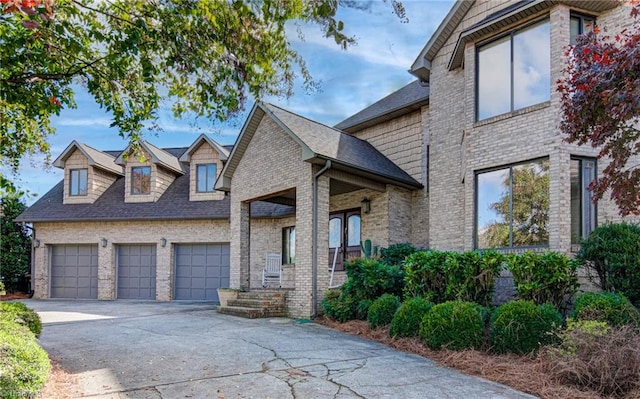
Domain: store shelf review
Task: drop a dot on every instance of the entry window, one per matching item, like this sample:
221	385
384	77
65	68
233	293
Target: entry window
335	232
78	182
353	230
579	26
514	71
205	177
141	180
512	206
583	209
289	245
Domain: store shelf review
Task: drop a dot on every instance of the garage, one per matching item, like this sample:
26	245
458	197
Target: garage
74	271
200	270
136	272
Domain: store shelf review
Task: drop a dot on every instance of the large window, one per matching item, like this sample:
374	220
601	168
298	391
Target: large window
580	25
514	71
512	206
205	177
141	180
289	245
78	182
583	209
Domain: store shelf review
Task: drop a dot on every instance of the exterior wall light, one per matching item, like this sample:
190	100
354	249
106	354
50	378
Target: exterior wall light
104	242
366	205
36	243
163	242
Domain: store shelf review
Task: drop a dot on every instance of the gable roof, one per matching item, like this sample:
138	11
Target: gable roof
158	157
223	153
318	143
174	204
402	101
95	158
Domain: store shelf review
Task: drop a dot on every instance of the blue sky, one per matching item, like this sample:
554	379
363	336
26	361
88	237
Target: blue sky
349	81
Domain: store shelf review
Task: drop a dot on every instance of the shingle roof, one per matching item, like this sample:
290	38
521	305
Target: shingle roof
174	204
158	156
95	158
320	142
223	152
400	102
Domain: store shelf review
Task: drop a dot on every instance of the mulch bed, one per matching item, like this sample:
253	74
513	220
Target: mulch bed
14	295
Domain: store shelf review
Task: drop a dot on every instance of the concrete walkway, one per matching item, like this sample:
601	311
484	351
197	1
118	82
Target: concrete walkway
123	349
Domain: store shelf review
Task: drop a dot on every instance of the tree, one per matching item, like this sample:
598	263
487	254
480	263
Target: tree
600	99
15	243
204	57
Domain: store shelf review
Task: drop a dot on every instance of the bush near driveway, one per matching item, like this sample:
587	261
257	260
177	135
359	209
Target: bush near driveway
19	313
614	309
406	321
24	365
382	310
454	325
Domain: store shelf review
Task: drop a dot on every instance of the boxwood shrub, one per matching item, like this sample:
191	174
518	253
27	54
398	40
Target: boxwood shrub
406	321
24	365
19	313
523	327
455	325
382	310
612	308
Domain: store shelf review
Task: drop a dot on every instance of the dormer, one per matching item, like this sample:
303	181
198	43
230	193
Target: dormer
148	173
206	159
87	173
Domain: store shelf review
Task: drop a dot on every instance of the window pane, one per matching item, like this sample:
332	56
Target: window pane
353	236
73	190
576	201
574	29
588	207
141	180
335	233
531	66
201	177
78	182
530	207
211	176
494	78
82	182
493	209
292	245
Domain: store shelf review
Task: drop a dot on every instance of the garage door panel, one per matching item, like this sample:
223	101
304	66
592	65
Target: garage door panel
74	271
136	271
198	271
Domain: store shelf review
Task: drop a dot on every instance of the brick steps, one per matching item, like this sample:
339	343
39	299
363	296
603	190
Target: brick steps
256	304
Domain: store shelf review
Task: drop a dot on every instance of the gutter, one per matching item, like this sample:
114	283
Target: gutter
314	233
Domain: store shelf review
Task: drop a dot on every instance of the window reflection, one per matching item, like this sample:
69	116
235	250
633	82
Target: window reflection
335	233
353	228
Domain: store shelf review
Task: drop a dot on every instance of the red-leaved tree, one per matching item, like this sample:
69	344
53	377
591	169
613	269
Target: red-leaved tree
600	99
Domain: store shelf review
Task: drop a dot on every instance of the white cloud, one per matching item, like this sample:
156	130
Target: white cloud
97	121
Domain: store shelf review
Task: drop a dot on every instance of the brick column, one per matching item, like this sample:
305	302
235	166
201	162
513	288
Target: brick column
107	266
163	272
240	241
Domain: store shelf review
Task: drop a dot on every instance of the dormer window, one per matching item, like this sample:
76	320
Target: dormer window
78	182
141	180
206	177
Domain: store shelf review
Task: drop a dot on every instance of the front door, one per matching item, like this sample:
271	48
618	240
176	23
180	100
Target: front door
344	237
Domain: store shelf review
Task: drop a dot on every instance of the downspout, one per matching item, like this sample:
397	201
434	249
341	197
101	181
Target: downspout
314	233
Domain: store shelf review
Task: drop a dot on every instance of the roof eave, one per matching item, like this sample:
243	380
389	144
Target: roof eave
391	114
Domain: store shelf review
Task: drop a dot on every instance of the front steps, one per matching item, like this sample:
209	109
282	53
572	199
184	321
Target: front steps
256	304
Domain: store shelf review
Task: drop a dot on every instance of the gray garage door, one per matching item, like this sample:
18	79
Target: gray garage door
74	271
200	270
136	272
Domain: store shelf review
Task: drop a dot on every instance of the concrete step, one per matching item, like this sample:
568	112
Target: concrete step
262	294
256	303
251	313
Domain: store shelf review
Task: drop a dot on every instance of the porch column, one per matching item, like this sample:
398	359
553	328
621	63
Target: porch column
322	252
239	246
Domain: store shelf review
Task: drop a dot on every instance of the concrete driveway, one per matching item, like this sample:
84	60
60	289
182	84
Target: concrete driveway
123	349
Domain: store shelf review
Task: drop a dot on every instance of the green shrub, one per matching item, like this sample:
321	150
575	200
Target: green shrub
523	327
382	310
337	307
445	276
362	309
406	321
548	277
24	365
19	313
614	309
396	254
612	256
455	325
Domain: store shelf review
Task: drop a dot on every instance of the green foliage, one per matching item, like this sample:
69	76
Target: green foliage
523	327
367	280
24	365
204	58
614	309
612	256
15	243
382	310
455	325
548	277
441	276
19	313
2	290
406	321
396	254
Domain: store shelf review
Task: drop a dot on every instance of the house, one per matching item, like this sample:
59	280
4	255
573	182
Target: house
467	156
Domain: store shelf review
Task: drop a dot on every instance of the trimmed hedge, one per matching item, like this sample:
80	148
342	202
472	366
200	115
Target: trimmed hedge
614	309
523	327
24	365
406	321
396	254
382	310
19	313
454	325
